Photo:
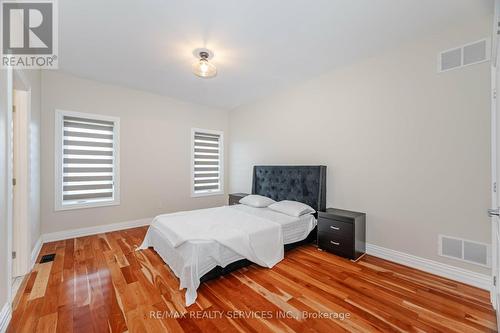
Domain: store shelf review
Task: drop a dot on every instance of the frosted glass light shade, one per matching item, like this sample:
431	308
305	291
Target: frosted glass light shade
203	68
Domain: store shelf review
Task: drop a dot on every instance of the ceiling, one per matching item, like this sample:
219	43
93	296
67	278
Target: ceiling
260	46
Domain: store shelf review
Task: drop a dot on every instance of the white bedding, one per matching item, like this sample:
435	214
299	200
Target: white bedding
192	243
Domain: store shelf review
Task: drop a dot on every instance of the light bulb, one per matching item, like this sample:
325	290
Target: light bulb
203	68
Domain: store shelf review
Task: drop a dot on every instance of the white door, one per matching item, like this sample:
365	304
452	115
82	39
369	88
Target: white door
21	240
495	162
15	192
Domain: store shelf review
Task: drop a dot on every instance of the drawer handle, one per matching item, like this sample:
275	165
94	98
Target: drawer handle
335	243
334	228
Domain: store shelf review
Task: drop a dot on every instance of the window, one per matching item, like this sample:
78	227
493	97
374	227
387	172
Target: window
87	160
207	164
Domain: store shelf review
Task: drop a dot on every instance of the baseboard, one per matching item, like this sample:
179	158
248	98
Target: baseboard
5	316
35	252
482	281
74	233
479	280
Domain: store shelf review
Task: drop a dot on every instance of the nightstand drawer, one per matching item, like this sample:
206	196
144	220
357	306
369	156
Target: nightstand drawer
338	228
341	247
342	232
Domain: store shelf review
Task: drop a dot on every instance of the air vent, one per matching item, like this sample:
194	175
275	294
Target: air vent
475	53
464	250
47	258
465	55
451	59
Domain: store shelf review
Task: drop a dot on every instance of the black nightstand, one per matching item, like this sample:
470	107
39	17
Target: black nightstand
342	232
235	198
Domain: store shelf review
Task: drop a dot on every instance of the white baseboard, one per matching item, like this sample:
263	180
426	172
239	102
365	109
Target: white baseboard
5	316
74	233
482	281
36	252
6	311
479	280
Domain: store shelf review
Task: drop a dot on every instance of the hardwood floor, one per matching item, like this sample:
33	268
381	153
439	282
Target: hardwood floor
99	284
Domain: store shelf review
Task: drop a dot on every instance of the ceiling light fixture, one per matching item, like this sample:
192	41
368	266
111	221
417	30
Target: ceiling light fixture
203	67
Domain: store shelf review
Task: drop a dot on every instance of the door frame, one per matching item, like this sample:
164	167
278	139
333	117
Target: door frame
495	131
494	188
8	104
16	80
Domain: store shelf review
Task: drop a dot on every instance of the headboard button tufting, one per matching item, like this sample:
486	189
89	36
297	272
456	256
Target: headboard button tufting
305	184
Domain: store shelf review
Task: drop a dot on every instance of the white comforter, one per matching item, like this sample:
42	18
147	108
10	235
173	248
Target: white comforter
255	238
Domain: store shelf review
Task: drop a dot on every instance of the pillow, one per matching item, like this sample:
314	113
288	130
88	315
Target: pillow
257	201
292	208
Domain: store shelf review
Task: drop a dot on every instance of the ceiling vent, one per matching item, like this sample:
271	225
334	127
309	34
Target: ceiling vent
465	250
465	55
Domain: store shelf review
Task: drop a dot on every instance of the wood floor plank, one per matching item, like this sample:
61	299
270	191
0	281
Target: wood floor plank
102	284
47	323
42	279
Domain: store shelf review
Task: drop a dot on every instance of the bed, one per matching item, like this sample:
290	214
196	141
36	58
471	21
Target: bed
203	244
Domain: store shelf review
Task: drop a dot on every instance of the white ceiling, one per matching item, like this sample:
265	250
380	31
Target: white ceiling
260	46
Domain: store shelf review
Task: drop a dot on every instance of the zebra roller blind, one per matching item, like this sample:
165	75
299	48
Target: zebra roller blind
207	162
88	161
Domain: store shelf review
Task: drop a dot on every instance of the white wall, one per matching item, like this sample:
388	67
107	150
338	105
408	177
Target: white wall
404	144
155	148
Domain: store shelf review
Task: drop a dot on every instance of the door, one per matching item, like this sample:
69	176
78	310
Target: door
494	212
15	193
495	163
21	240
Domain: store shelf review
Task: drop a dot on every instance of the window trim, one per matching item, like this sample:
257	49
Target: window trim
221	162
58	160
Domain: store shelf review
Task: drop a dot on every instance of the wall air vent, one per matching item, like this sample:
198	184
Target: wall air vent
450	59
465	250
465	55
475	53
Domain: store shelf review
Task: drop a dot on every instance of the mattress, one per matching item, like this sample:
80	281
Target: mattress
192	259
294	228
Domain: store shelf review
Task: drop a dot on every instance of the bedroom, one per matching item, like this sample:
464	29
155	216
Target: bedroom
129	166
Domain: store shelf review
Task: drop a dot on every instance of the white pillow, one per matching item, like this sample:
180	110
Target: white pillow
257	201
292	208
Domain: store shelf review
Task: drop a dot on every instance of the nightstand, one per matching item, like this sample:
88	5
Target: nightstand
234	198
342	232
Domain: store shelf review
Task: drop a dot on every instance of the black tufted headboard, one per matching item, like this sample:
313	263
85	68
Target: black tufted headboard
306	184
